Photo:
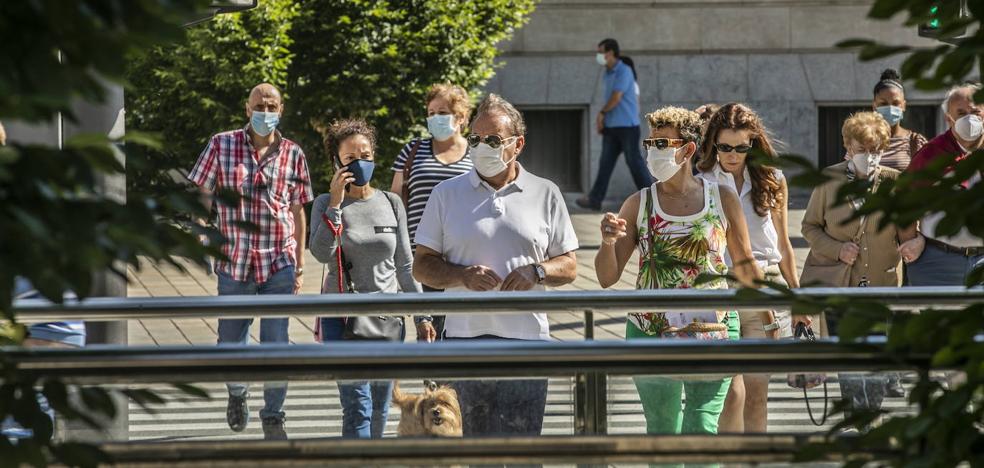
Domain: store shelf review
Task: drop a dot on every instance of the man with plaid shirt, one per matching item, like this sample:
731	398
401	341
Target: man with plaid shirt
270	174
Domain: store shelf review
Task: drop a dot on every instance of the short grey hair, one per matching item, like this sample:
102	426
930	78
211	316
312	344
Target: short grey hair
495	104
956	89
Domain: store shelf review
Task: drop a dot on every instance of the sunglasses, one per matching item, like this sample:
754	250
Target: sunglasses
494	141
725	148
663	143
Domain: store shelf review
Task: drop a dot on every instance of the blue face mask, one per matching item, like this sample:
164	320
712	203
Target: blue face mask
441	127
361	170
264	122
891	114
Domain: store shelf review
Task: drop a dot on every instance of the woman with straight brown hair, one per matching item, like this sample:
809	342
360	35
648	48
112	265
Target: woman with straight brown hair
732	132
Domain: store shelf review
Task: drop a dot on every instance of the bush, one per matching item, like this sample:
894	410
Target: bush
335	59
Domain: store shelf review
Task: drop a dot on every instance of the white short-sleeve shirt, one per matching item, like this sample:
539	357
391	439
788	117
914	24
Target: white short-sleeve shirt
762	234
470	223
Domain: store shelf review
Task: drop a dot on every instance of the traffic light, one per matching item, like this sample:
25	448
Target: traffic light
941	15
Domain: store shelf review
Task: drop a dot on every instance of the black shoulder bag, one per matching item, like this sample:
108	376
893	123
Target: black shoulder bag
377	328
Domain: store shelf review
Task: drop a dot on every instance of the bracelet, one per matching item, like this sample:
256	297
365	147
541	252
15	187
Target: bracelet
771	326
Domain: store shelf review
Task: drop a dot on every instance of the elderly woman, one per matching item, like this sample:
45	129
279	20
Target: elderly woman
424	163
682	226
853	253
360	233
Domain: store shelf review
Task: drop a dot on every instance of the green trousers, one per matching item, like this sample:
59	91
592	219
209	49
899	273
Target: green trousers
662	397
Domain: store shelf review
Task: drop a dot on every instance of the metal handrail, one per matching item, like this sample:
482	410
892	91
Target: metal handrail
340	305
750	448
354	360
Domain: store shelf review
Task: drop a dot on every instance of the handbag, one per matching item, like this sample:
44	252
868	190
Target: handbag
364	328
808	381
837	275
407	167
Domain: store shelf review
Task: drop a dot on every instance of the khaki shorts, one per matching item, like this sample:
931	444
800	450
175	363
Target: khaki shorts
751	322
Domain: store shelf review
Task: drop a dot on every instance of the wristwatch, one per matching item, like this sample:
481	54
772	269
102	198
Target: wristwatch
299	271
541	273
772	326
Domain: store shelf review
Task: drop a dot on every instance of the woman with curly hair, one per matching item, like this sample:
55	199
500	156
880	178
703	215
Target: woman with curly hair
360	234
851	251
682	227
733	133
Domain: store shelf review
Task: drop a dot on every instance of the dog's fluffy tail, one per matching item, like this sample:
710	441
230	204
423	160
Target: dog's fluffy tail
398	396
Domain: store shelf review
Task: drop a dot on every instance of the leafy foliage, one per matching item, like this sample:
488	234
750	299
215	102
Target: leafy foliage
188	90
334	58
947	429
58	226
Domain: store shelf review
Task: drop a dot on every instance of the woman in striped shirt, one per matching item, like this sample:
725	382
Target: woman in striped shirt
889	101
424	163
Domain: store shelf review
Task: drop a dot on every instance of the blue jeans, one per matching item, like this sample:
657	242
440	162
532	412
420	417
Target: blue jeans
272	330
614	141
501	407
365	404
938	268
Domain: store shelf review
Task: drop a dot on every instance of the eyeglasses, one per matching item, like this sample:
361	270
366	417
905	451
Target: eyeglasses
725	148
494	141
663	143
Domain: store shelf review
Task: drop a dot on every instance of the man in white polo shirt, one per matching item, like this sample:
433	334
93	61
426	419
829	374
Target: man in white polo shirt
497	227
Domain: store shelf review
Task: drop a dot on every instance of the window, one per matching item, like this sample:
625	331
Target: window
555	145
919	118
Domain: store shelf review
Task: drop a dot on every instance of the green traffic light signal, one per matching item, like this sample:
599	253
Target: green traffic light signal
935	22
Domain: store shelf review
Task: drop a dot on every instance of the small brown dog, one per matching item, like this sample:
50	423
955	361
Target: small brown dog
434	414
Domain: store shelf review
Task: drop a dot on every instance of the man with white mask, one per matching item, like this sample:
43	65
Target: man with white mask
497	227
934	259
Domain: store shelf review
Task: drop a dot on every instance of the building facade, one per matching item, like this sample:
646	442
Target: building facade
778	56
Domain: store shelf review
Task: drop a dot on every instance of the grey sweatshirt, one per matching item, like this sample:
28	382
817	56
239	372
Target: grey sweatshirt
375	242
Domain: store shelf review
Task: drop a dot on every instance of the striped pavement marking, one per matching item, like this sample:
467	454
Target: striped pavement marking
313	411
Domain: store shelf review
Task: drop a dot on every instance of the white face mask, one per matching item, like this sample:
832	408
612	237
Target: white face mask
969	127
488	161
600	58
662	163
865	163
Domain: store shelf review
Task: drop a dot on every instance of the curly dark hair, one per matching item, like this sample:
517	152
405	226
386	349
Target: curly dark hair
766	188
343	129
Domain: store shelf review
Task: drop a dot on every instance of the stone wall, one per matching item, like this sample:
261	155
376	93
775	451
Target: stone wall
776	55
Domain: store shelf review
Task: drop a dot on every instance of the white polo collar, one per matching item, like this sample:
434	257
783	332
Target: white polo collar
521	181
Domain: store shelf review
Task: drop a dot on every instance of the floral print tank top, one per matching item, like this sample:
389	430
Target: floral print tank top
675	250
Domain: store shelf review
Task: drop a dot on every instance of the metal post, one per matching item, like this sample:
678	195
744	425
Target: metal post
590	400
105	118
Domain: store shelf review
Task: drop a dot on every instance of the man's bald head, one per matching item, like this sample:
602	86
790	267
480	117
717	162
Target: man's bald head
265	97
3	135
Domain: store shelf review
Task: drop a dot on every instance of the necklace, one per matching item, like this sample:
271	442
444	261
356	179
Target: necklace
681	196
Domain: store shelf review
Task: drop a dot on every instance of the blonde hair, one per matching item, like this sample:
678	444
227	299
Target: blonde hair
456	96
687	122
867	128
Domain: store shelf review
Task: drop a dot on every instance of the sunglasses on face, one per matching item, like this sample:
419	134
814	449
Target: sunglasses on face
725	148
663	143
494	141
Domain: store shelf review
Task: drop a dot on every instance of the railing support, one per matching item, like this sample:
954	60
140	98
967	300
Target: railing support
590	393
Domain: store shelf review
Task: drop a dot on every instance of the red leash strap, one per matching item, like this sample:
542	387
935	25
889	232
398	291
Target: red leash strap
337	230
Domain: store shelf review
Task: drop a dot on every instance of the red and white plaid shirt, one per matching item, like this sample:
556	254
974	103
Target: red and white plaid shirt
269	187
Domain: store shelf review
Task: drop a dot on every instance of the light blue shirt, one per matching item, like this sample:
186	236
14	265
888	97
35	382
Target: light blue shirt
626	112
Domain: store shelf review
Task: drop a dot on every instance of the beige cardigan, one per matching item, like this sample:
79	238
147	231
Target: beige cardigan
879	258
